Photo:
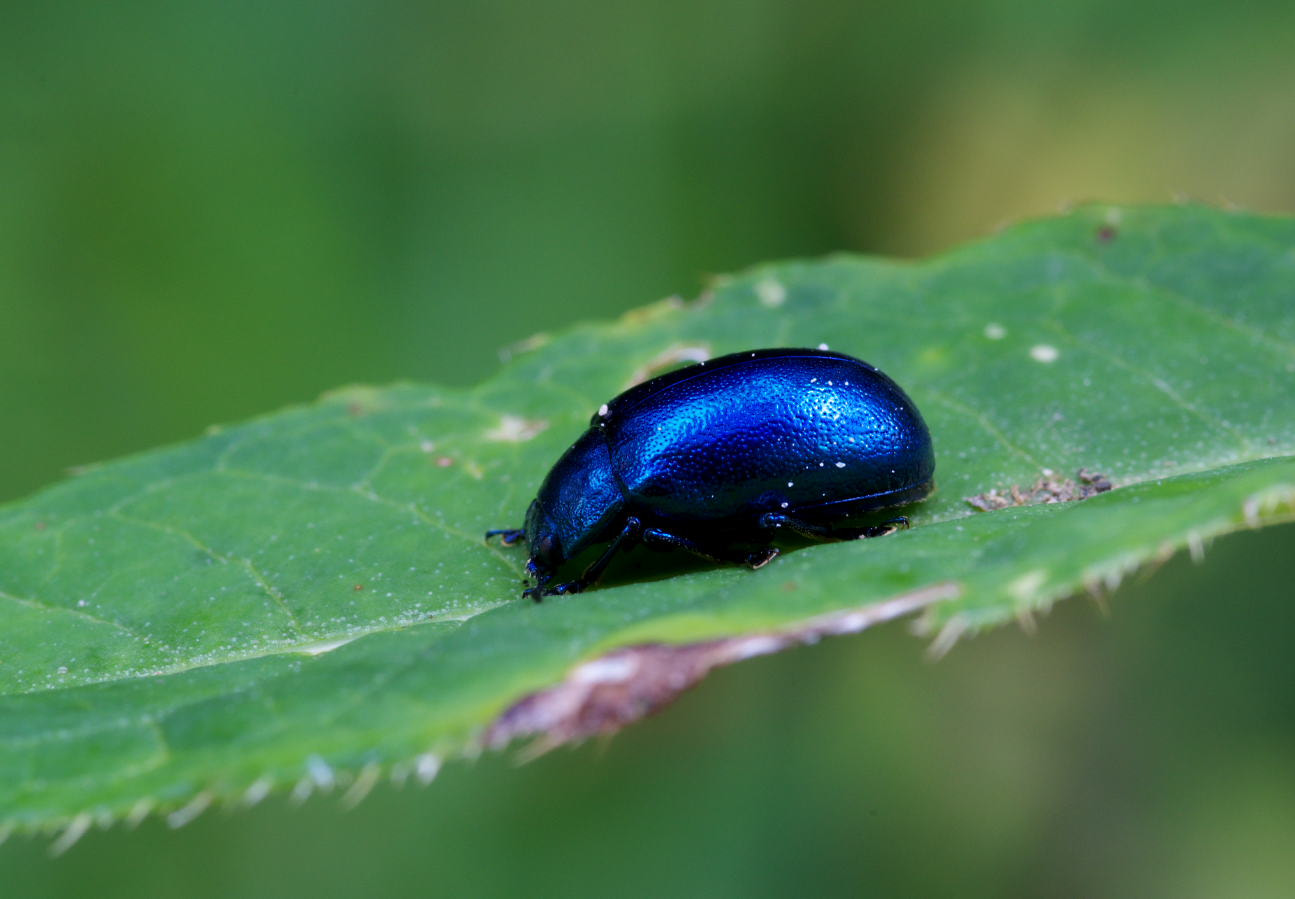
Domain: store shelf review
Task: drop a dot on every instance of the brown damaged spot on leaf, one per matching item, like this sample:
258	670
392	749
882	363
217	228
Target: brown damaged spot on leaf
1045	490
603	695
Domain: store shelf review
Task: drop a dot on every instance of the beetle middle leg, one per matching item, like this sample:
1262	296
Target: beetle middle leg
772	521
665	540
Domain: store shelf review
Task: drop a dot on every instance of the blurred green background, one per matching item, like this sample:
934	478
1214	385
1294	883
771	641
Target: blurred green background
209	210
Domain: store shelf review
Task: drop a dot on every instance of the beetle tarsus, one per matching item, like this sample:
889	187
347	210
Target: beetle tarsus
539	591
507	536
886	527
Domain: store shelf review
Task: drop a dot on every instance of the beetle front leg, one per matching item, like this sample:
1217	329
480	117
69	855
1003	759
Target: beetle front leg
507	536
629	535
772	521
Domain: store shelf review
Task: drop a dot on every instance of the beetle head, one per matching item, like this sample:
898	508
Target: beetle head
546	546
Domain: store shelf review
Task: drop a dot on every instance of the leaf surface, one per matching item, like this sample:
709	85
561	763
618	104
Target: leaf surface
305	601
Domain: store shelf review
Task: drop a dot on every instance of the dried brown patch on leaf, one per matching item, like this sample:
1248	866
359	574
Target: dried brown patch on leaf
1047	489
603	695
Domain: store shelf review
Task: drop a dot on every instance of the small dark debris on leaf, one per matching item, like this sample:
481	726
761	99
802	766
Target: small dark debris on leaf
444	462
1047	489
1106	233
358	587
40	525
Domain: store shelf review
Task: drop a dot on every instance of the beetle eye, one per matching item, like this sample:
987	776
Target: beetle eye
548	548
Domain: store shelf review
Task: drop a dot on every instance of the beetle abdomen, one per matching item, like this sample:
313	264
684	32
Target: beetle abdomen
749	432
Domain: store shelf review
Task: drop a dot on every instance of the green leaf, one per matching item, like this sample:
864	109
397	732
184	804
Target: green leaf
305	601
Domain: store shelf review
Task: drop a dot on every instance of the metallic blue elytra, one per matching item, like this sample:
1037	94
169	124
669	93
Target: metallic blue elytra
716	458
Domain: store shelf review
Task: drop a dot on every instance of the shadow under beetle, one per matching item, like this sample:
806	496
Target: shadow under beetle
717	458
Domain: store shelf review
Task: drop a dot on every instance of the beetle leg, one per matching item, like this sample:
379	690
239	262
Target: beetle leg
762	557
775	520
628	536
507	536
665	540
887	527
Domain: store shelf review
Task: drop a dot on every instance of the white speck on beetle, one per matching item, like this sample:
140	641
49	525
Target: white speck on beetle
603	410
1044	352
784	505
791	483
995	331
771	293
823	346
840	465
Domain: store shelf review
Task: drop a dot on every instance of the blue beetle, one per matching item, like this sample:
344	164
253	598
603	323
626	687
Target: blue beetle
716	458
